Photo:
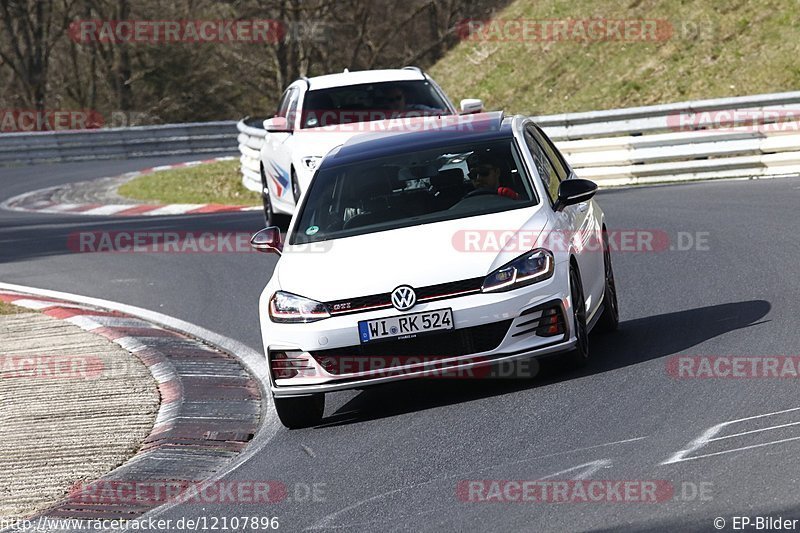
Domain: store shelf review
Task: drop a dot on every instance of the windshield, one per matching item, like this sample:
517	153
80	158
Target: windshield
413	188
369	102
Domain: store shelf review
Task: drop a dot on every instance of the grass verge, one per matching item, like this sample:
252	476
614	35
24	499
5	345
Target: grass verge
8	309
209	183
715	48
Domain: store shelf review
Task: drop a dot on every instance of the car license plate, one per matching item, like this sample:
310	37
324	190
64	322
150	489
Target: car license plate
405	326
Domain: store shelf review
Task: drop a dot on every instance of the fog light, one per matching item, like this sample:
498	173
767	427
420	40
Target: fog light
287	365
551	323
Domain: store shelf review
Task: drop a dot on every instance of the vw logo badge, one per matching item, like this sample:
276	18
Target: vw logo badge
404	298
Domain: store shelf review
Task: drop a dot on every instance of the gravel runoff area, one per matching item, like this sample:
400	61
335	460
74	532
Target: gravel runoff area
73	406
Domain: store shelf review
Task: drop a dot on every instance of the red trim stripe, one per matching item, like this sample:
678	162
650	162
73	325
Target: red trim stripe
215	208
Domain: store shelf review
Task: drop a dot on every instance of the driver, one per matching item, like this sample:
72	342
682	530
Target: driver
395	98
484	172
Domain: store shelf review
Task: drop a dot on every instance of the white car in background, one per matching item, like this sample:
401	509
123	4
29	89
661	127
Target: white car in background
318	114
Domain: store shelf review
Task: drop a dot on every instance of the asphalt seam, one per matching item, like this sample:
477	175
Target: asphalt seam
203	423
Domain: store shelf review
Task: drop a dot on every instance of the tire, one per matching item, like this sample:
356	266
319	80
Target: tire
300	412
269	214
579	356
609	320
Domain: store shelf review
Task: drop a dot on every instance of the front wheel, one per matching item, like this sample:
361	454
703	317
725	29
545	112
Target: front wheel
300	412
579	356
609	320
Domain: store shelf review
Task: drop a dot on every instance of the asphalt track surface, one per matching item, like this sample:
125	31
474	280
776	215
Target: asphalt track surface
391	458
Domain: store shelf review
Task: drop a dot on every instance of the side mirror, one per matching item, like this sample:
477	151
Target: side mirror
268	240
574	191
471	105
277	125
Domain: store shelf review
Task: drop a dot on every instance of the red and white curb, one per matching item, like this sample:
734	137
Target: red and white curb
28	203
213	404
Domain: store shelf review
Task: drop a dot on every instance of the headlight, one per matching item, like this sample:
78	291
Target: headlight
286	307
311	162
536	265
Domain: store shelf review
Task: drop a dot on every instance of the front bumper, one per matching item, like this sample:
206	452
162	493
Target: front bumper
514	309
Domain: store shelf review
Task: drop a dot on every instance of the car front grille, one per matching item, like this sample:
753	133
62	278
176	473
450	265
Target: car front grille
424	294
433	346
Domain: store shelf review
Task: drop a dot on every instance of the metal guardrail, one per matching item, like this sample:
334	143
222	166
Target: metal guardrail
139	141
250	141
650	144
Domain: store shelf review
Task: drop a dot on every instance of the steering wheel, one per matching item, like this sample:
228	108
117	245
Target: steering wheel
478	192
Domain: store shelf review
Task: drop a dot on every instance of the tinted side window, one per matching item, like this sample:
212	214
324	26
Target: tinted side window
552	152
291	114
283	105
544	167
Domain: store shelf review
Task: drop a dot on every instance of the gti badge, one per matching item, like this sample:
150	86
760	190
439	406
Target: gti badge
404	298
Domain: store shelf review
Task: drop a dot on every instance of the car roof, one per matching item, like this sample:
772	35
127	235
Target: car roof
450	130
346	78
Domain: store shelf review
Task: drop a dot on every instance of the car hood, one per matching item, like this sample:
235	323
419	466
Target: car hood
421	255
318	141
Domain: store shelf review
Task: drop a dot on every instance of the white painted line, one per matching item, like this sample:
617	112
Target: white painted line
790	410
58	208
162	371
84	322
132	344
123	322
173	209
37	305
708	436
586	469
109	209
309	451
326	522
754	431
737	449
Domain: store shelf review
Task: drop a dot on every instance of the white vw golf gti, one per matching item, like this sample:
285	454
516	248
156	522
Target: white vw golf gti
441	250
